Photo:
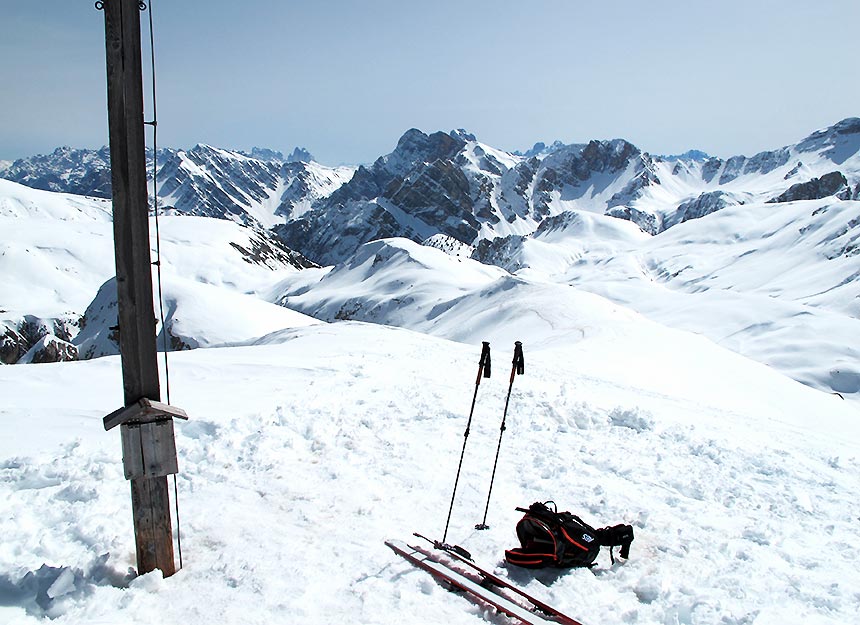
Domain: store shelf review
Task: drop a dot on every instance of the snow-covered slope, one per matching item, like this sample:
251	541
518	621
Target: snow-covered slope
196	315
57	251
777	283
400	283
305	450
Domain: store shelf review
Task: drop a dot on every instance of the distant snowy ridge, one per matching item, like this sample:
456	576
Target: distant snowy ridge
211	182
452	185
257	188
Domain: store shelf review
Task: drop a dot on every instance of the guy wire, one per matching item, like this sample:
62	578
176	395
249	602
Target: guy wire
157	263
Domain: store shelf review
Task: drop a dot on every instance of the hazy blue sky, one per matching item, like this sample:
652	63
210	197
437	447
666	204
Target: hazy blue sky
346	79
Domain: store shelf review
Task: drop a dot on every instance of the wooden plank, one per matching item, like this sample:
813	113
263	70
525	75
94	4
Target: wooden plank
132	455
149	449
149	495
159	410
159	448
143	411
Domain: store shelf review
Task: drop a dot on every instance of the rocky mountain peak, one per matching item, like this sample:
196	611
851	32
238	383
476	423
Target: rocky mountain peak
416	147
463	135
300	155
838	142
264	154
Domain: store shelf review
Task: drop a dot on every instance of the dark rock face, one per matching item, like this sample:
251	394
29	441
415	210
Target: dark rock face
642	179
833	183
69	170
414	148
413	192
438	194
209	182
300	155
733	168
18	338
330	235
646	221
704	204
65	170
575	166
12	345
765	162
500	252
268	250
838	142
50	349
710	168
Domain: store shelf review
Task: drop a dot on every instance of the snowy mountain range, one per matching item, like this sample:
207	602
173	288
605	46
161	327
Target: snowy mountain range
452	186
556	214
692	369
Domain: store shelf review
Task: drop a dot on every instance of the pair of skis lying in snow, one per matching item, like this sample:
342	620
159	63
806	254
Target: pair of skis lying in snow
453	565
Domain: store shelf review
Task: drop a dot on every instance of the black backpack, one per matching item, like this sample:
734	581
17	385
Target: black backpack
562	540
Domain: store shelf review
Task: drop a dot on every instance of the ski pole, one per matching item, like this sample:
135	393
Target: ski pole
483	371
517	368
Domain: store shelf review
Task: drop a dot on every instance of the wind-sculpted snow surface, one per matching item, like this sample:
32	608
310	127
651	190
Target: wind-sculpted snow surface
308	448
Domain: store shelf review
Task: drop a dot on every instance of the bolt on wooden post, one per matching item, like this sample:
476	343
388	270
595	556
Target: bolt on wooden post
146	425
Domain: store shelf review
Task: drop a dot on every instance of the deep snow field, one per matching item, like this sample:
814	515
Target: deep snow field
304	452
309	443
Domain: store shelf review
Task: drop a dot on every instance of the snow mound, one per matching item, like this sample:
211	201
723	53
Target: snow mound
196	315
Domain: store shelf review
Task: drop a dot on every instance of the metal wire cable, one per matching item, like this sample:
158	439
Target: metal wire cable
157	263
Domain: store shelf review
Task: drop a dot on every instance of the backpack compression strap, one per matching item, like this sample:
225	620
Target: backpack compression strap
529	559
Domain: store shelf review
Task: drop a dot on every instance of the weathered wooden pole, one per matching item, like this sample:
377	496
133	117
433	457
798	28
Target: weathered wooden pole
147	443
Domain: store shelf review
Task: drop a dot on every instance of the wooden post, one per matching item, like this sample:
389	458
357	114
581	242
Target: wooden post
149	495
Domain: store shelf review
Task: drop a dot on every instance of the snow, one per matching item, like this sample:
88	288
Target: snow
776	285
306	450
657	391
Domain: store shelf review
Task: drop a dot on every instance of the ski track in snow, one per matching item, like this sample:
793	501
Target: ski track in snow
301	458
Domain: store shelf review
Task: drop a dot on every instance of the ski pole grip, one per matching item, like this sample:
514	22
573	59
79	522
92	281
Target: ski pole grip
485	359
519	361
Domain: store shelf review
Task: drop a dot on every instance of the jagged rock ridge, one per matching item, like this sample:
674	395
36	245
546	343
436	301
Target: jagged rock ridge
453	186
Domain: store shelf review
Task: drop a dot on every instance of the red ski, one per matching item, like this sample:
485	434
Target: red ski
463	556
481	586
